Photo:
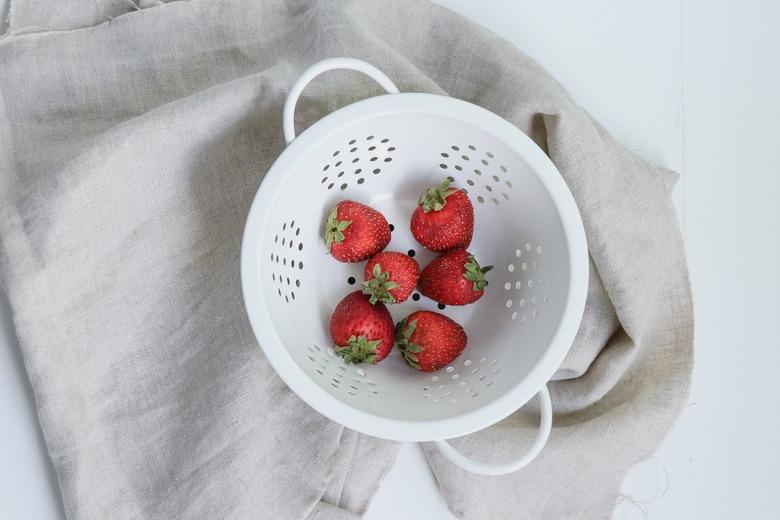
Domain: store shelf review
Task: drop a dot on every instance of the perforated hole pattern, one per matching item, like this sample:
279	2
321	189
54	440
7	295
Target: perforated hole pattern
526	278
479	170
338	374
461	380
287	261
357	161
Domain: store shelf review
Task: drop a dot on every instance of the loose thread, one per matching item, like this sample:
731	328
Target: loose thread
642	504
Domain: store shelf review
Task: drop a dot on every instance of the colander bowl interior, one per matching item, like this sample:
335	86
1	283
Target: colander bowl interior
385	152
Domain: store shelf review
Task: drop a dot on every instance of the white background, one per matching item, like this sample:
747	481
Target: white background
693	85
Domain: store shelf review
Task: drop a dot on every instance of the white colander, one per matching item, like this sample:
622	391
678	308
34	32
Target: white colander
385	151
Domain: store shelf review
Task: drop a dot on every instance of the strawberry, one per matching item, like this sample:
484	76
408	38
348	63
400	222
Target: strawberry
355	232
444	218
390	277
454	278
429	340
361	331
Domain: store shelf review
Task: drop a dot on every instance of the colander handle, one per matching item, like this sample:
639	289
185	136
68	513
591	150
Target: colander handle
481	468
288	116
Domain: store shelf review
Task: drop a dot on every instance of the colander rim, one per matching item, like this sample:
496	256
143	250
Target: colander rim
418	430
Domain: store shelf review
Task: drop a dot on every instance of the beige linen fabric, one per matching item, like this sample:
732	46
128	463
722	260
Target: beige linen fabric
130	151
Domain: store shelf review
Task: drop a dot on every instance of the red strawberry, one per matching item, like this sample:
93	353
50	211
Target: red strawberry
429	340
455	278
390	277
355	232
444	218
361	331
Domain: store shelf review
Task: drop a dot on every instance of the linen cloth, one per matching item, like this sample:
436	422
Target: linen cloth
131	145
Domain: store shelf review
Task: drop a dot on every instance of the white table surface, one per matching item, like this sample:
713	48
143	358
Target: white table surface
693	85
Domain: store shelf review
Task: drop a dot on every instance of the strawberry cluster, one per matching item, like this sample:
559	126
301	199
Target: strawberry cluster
361	326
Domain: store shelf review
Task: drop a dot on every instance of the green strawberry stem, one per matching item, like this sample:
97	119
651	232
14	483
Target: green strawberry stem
476	274
408	350
334	228
359	350
436	198
379	286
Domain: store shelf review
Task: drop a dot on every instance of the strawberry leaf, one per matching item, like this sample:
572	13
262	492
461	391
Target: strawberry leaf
476	274
414	349
359	349
334	228
378	287
436	198
408	350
